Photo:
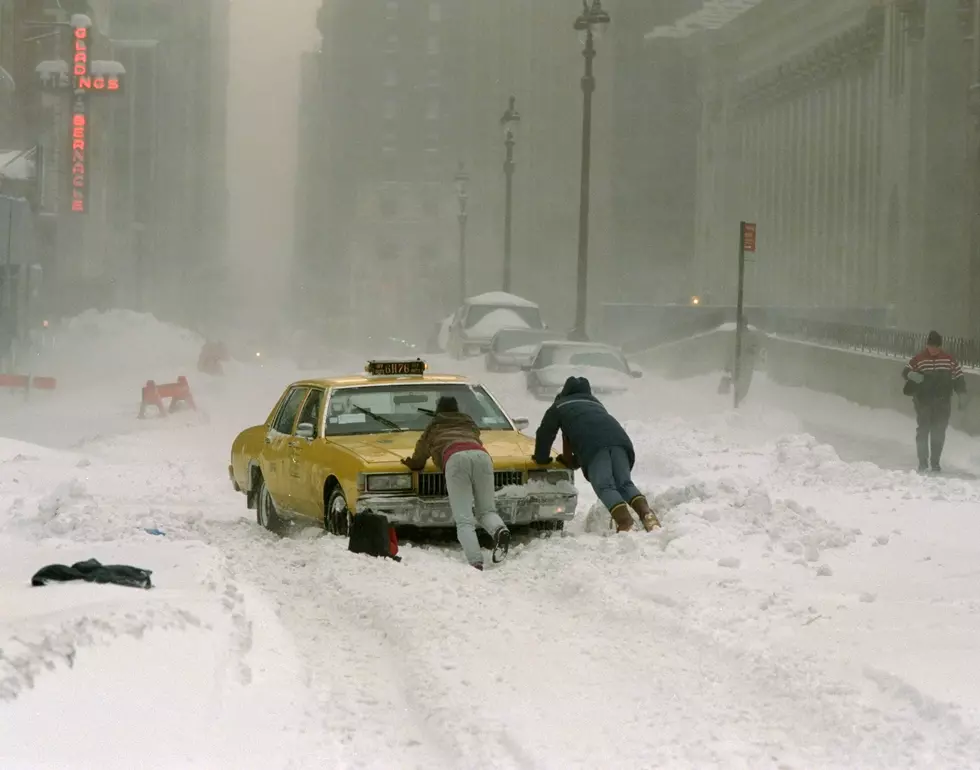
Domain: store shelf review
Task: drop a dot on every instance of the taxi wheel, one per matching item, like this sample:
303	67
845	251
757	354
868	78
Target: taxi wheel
337	516
265	510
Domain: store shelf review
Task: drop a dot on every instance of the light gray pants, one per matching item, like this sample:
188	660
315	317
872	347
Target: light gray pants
469	482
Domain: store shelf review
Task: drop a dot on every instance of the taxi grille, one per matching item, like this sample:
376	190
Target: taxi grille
434	484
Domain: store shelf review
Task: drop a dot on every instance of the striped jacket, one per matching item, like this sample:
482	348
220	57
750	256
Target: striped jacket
941	372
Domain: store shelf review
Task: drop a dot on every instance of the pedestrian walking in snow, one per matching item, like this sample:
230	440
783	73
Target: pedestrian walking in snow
600	446
452	440
931	377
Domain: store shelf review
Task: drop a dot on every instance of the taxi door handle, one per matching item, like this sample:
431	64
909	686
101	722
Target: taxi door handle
293	444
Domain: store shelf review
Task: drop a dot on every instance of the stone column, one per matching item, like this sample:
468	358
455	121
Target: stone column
838	277
805	251
874	214
854	288
781	243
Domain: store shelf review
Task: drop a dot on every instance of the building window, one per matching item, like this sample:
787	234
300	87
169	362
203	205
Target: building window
434	78
433	45
387	251
429	256
432	112
432	163
391	109
391	46
389	164
430	201
388	203
391	10
391	78
435	12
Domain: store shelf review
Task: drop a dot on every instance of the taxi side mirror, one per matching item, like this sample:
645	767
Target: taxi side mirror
305	430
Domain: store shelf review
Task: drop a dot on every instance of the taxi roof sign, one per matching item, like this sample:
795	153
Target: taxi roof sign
414	368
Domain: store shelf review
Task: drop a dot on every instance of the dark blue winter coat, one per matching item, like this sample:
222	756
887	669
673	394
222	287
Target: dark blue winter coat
584	422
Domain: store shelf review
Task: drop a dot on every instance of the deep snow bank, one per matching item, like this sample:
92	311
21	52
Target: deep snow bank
103	360
96	348
196	672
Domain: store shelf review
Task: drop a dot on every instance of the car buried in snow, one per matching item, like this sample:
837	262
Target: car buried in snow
476	321
331	449
606	368
513	349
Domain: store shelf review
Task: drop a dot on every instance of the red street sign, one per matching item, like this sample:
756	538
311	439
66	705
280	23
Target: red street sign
748	236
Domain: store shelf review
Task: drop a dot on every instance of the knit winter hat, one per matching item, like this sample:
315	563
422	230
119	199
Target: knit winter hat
447	404
934	340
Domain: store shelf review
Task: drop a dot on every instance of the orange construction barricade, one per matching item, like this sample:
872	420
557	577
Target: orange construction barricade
178	392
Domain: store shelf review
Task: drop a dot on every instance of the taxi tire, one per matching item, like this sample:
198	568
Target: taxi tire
335	523
263	500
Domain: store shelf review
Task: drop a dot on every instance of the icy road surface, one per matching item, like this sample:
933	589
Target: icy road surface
798	611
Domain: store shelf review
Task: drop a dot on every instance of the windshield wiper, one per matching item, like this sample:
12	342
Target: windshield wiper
383	420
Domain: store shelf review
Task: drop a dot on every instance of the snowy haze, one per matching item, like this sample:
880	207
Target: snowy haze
802	608
811	603
267	37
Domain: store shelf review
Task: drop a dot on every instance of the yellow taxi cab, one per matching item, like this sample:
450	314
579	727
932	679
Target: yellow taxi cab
332	448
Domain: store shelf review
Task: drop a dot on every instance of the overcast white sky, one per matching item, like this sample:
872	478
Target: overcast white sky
267	37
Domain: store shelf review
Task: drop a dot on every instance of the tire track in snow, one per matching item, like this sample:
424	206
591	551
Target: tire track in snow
366	702
552	662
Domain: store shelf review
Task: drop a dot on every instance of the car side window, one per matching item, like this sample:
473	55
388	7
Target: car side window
311	411
287	413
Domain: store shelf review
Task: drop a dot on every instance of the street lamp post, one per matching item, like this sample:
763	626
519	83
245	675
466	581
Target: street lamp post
509	121
462	180
590	25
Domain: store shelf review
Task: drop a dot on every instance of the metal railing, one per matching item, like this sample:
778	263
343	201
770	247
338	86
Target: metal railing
637	327
871	339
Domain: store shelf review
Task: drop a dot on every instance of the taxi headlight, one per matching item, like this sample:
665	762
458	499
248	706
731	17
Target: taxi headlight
551	476
389	482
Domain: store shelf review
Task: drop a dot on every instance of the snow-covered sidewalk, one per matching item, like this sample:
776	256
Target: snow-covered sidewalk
797	611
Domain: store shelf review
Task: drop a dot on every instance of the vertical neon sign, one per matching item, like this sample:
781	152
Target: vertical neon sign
79	117
81	76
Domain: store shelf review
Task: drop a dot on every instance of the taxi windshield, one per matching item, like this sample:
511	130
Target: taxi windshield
387	408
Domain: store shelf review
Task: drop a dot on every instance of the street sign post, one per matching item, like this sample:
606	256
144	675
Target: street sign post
746	243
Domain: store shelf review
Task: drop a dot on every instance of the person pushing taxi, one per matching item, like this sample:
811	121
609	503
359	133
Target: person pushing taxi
452	440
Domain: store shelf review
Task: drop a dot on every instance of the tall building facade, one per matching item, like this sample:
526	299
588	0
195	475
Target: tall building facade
168	154
398	95
152	236
846	129
656	116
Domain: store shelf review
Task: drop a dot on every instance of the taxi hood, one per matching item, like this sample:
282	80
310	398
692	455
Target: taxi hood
506	447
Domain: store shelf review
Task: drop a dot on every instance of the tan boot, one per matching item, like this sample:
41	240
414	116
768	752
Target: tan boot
622	516
645	512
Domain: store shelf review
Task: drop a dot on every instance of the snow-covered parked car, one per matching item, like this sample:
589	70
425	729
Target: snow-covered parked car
604	366
438	339
480	317
513	349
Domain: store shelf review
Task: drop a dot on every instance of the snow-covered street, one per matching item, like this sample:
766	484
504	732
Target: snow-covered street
798	610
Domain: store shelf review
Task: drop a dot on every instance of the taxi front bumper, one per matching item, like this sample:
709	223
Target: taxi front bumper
435	511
